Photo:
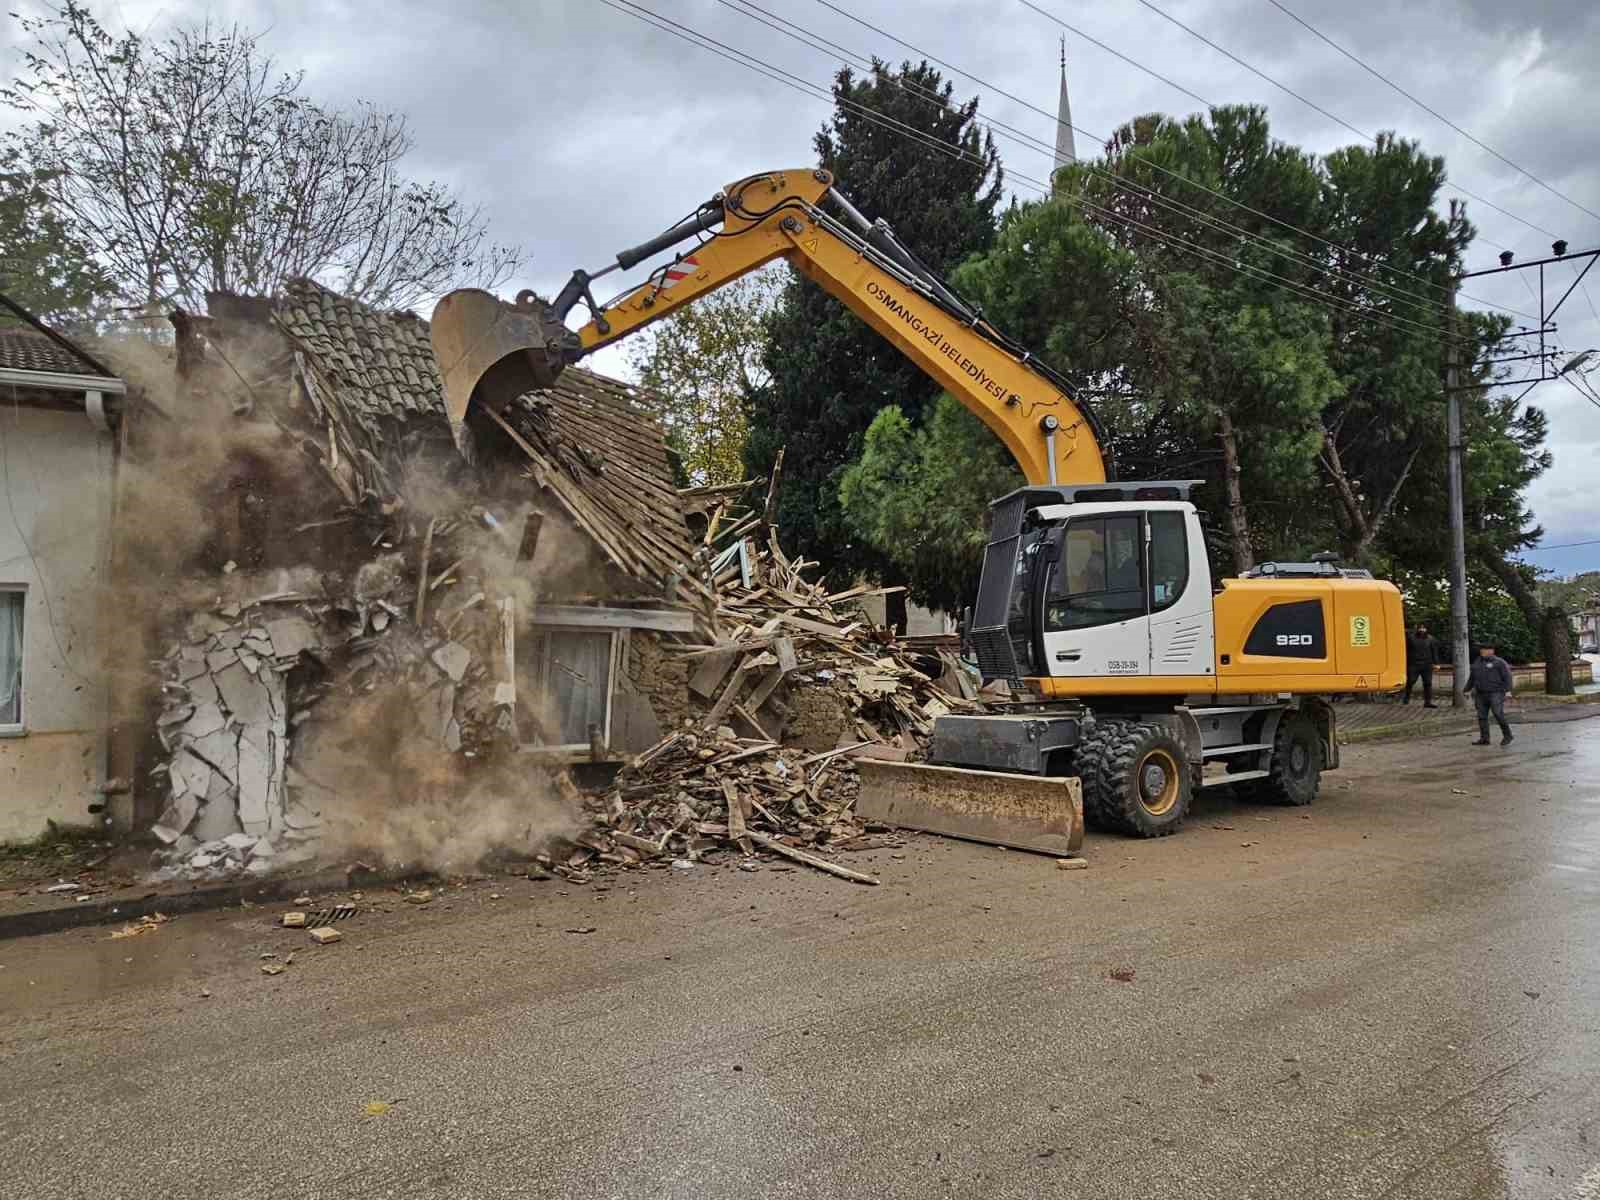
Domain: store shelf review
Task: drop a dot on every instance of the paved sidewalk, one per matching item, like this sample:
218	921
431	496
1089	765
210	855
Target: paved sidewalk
1361	721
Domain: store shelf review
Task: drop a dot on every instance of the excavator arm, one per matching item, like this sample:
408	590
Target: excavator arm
490	352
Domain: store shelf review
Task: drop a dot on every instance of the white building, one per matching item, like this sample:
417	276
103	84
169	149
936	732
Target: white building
57	466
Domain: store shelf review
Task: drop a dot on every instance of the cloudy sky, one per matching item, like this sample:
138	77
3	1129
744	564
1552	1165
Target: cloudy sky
582	129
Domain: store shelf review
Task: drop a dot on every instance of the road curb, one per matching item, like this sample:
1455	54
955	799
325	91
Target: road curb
1464	724
201	899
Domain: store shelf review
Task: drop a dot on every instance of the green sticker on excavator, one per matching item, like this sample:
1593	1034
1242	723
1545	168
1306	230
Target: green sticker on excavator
1361	631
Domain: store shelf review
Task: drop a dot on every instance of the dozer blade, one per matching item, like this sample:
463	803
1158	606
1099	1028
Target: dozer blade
494	351
1025	812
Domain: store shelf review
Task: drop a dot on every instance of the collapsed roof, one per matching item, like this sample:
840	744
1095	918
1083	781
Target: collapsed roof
592	442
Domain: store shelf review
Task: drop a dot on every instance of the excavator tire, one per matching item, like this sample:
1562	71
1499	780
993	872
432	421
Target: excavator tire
1136	778
1296	768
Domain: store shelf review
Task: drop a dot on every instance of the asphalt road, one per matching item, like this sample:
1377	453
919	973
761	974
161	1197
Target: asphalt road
1394	993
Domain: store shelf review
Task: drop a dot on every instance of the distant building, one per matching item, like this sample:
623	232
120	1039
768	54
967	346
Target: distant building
1066	147
57	465
1587	623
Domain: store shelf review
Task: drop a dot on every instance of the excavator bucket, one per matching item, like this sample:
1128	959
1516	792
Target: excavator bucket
493	352
1026	812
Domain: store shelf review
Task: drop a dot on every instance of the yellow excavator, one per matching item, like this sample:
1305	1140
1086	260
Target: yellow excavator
1133	679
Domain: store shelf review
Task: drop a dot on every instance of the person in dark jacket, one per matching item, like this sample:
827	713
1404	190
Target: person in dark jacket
1489	681
1420	652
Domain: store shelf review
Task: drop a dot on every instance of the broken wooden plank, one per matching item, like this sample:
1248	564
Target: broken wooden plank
769	513
659	620
834	753
809	859
725	701
767	685
749	718
643	846
736	826
713	669
784	648
422	575
743	754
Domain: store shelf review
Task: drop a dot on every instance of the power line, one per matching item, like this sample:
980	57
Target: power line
1173	175
1585	288
1560	546
1136	65
693	37
1028	141
1430	110
1573	383
1283	87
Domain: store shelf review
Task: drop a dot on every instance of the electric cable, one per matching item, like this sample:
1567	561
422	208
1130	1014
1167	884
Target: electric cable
1318	108
1174	175
1379	317
1433	112
1140	191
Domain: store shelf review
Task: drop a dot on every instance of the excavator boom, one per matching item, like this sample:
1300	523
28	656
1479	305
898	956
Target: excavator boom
490	352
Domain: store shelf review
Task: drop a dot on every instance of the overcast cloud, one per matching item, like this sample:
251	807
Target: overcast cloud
582	130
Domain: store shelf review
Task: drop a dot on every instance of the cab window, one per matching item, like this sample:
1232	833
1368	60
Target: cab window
1098	578
1169	559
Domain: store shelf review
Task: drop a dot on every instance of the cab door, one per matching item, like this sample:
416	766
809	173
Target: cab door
1095	610
1182	627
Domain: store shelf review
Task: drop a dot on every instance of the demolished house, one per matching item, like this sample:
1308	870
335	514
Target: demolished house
377	612
379	642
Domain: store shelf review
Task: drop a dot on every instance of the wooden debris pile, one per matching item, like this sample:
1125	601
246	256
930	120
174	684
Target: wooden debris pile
697	791
798	683
781	635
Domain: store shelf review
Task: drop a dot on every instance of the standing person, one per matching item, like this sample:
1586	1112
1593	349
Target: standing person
1489	681
1420	652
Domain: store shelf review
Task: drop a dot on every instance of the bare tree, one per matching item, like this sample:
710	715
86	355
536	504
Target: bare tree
192	163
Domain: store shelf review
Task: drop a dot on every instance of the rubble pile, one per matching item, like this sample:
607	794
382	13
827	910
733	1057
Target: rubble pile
243	686
813	684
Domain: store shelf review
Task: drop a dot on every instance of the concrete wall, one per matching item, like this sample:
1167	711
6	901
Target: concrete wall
1528	678
55	514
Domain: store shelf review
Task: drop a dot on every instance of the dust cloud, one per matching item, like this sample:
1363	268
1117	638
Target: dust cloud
217	495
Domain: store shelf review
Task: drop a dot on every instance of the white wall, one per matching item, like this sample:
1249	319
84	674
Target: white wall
55	512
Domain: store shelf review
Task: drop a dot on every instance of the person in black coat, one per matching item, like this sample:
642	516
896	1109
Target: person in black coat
1421	650
1490	682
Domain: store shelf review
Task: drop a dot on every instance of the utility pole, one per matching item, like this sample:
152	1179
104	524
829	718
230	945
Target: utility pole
1458	530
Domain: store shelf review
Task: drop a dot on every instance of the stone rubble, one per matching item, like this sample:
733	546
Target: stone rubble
242	690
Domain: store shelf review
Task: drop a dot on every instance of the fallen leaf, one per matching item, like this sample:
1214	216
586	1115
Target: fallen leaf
1122	974
581	929
1530	995
1459	792
273	969
1204	1078
1222	827
376	1108
146	924
1247	845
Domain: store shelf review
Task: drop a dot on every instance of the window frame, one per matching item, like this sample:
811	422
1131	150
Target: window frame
19	727
616	661
1058	570
1150	550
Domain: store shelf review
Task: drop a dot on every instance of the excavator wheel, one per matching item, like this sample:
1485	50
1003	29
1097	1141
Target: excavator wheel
1296	768
1136	778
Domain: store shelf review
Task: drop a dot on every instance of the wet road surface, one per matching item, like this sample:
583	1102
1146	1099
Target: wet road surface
1395	993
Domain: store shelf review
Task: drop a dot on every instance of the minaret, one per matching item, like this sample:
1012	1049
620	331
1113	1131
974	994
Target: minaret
1066	152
